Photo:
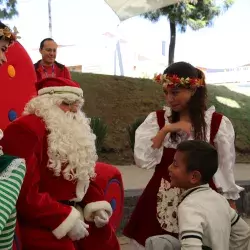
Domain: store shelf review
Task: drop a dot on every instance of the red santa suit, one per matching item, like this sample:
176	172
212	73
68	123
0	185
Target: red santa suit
54	182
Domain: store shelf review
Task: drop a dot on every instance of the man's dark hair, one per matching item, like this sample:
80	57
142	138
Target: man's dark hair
45	40
200	156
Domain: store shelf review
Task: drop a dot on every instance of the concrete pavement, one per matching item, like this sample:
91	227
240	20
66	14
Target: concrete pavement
135	178
124	243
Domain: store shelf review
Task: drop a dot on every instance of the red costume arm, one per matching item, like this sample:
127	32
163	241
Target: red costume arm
67	73
34	206
94	200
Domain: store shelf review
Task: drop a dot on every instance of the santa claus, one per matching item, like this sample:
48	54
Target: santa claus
60	206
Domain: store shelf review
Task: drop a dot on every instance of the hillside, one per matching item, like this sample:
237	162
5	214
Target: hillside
119	101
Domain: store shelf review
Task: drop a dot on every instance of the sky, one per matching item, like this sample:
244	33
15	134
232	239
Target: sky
82	23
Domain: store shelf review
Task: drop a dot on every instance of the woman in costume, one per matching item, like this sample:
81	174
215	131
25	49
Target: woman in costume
186	118
12	169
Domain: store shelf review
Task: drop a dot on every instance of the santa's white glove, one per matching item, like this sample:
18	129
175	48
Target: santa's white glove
79	231
101	218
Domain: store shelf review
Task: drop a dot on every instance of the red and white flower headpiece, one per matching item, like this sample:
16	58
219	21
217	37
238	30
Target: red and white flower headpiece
7	33
174	81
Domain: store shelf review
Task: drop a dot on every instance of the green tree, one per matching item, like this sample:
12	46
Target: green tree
195	15
8	9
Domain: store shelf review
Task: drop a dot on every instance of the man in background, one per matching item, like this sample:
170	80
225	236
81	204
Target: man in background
48	66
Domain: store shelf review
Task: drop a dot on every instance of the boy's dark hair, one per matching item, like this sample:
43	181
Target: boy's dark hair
200	156
45	40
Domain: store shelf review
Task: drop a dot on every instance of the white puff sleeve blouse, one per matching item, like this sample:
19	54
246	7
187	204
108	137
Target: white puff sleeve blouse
146	157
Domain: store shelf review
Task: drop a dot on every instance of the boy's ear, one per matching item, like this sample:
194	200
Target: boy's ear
196	177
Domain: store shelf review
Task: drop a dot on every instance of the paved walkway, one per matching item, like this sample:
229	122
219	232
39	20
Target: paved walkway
124	243
135	179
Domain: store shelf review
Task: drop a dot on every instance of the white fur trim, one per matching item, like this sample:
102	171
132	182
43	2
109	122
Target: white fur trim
92	207
1	134
55	90
67	224
81	190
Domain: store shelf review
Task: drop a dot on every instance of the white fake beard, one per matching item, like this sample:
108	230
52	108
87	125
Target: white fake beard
71	142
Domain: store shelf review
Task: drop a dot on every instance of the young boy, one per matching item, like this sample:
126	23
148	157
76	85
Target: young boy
206	221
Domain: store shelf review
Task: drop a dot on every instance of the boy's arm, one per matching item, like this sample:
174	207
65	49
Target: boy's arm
191	224
240	232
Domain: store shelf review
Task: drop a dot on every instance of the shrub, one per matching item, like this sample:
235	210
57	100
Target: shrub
99	128
131	131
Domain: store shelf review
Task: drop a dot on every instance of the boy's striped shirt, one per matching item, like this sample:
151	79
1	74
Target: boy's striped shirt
11	180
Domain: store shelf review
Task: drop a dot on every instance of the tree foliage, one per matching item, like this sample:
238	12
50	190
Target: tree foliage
187	14
8	9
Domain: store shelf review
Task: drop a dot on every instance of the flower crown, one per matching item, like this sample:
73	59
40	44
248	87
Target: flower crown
6	33
174	81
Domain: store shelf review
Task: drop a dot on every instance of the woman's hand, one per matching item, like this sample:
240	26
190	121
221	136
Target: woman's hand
180	126
169	128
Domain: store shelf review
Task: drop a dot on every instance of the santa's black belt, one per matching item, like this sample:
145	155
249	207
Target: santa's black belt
69	203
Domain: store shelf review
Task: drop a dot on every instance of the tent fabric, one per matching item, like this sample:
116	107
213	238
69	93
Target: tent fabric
125	9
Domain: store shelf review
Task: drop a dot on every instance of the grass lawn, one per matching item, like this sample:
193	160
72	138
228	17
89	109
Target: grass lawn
119	101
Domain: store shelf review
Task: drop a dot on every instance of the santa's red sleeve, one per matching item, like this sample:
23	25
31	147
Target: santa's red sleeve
94	201
35	207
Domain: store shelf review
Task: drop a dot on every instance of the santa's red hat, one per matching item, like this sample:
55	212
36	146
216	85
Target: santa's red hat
59	85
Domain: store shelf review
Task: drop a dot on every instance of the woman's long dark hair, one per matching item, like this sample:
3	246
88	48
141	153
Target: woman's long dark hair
197	102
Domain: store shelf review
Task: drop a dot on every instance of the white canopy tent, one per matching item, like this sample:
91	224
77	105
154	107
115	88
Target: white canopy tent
125	9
